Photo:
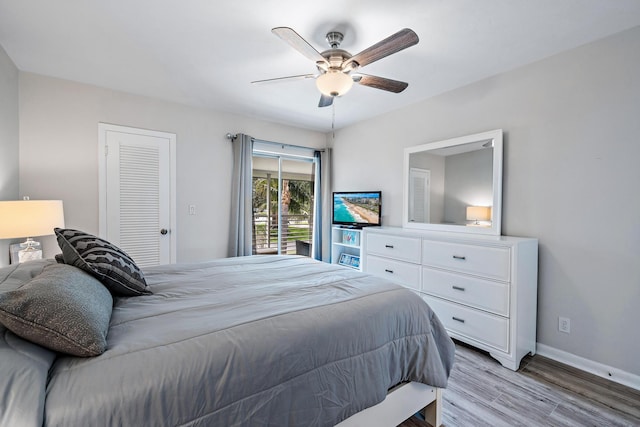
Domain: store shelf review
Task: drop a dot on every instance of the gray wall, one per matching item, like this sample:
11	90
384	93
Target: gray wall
468	182
8	138
571	179
59	155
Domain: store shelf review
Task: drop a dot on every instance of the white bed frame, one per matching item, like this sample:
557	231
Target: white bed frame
401	403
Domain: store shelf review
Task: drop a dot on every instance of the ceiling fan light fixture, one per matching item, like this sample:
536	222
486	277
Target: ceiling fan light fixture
334	83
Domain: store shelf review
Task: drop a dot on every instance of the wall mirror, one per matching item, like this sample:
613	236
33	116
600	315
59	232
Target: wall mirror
455	185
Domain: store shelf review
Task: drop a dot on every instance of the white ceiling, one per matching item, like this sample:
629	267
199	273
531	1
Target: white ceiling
205	53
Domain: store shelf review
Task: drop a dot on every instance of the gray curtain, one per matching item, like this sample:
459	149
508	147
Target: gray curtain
240	232
322	207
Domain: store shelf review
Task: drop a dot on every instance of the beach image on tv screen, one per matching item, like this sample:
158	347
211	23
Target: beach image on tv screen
357	207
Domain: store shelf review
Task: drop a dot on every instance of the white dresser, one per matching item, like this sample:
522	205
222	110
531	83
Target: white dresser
483	288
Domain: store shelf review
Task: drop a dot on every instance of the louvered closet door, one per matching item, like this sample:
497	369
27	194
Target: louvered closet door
138	196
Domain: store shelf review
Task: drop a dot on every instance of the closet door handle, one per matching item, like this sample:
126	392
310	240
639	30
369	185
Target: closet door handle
459	257
388	271
388	246
458	288
457	319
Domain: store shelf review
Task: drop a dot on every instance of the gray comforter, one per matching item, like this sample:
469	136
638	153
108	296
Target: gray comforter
263	341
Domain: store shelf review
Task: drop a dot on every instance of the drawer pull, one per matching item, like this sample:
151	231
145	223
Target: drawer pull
388	271
459	257
457	319
388	246
458	288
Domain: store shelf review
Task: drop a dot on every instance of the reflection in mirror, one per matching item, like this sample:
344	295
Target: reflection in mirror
455	185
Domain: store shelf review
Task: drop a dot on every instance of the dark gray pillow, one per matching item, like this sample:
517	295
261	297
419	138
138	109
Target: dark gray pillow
63	308
110	264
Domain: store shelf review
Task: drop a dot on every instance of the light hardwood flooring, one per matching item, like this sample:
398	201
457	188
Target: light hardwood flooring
542	393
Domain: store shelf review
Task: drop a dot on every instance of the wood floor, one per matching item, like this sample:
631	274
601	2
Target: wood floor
542	393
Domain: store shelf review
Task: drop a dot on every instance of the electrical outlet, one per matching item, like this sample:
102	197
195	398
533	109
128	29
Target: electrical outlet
564	325
192	209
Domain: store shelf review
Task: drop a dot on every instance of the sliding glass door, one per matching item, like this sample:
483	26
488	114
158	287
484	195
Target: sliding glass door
283	195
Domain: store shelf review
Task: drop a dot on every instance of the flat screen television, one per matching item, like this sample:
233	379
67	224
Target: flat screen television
357	208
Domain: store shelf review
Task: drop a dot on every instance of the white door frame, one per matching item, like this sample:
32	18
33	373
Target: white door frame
425	175
103	128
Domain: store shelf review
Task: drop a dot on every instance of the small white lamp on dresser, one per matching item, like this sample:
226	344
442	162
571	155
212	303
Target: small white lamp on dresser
482	285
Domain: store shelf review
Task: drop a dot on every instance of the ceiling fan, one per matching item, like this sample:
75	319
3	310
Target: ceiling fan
335	65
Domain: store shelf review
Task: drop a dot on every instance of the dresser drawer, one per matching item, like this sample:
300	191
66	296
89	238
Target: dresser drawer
482	261
479	293
400	272
477	325
401	248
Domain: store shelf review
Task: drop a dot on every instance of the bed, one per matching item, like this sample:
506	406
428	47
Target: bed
249	341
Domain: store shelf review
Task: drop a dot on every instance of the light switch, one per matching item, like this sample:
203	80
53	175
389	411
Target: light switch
192	209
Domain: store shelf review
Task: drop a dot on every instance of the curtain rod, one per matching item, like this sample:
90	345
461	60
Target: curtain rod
231	137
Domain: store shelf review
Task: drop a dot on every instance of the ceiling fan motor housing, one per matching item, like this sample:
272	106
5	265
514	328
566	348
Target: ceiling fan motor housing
336	58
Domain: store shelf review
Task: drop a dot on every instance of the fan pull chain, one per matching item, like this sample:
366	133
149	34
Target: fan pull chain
333	119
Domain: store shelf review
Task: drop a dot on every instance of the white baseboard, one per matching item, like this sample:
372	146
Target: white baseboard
617	375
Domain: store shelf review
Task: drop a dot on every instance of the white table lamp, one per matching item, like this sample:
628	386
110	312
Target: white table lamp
478	213
30	218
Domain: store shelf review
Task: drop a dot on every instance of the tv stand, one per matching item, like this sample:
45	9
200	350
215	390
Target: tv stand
346	243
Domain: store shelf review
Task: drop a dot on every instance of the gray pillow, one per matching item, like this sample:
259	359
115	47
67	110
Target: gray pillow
104	260
15	275
63	309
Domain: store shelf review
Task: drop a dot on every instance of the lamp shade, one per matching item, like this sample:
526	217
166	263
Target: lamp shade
334	83
30	218
478	213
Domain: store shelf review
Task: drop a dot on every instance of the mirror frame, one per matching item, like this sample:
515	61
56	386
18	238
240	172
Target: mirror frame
496	209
